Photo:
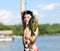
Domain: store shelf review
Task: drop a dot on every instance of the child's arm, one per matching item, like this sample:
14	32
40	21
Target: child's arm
33	38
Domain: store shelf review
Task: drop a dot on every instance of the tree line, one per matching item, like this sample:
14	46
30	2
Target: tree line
44	29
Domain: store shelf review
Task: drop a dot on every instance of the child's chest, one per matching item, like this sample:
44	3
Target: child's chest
27	31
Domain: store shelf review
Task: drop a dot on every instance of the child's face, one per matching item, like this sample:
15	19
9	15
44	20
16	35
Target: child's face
27	17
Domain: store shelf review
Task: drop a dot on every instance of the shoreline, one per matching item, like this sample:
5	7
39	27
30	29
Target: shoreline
14	36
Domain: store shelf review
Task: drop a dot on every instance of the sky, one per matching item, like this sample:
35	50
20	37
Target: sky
47	11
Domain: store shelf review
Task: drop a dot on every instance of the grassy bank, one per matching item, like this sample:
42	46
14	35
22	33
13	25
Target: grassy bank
44	29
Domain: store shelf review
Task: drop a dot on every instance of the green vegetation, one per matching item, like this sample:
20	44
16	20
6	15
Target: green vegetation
48	29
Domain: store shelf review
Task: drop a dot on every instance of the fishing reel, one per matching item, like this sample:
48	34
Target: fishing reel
26	47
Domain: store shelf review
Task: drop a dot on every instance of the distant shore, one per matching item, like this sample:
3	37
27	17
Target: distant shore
14	36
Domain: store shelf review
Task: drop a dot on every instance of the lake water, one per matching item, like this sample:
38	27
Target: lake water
44	43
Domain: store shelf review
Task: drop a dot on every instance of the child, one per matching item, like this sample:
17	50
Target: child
28	40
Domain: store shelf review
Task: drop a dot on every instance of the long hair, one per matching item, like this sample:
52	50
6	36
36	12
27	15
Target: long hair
23	14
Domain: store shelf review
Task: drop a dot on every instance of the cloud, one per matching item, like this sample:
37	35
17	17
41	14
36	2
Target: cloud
7	17
49	6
